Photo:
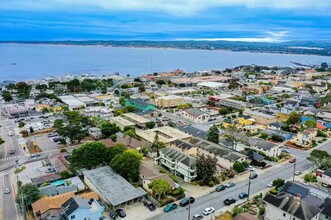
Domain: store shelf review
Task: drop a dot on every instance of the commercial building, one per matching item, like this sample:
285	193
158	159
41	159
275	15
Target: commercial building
138	120
112	188
140	105
121	122
178	163
233	104
169	101
166	134
72	102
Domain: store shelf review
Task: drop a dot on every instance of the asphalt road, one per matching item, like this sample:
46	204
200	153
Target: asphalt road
215	199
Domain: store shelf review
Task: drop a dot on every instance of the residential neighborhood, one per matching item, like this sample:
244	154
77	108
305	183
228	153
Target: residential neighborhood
251	142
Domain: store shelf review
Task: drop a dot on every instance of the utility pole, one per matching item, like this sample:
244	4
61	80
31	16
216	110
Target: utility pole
189	198
249	186
295	163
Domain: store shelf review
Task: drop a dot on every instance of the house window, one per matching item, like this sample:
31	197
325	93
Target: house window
284	214
73	217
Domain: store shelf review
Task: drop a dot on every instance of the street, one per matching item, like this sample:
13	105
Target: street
215	199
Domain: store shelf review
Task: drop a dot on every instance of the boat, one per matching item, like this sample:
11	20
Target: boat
13	64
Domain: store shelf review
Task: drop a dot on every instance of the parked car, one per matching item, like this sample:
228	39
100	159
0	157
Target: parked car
12	151
220	188
52	134
243	195
270	184
35	155
197	217
56	139
7	190
10	133
208	211
229	184
112	216
297	173
149	205
292	160
186	201
251	168
120	213
286	151
170	207
253	176
229	201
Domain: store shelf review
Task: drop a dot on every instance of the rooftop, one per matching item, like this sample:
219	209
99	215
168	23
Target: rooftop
113	186
122	121
166	134
175	154
51	202
135	118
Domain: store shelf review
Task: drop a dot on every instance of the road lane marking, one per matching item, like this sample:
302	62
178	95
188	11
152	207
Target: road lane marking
11	158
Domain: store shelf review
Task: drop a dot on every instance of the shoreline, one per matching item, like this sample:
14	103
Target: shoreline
155	48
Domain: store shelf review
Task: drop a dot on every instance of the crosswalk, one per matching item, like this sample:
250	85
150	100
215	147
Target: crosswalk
11	158
4	173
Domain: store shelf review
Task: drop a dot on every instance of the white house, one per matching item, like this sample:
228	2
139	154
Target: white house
268	148
325	178
195	115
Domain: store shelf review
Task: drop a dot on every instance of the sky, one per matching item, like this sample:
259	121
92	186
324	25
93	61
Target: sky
232	20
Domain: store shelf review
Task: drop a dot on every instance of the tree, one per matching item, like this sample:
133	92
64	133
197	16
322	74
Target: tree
31	130
310	123
157	145
65	174
130	108
108	129
58	123
206	167
6	95
224	111
116	150
21	124
127	164
142	88
264	135
294	118
1	141
160	82
118	112
310	178
122	101
233	136
30	193
41	87
213	134
238	167
89	155
278	183
131	133
150	124
237	210
161	187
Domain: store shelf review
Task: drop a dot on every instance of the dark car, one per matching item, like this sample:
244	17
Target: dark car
293	160
56	139
253	176
229	201
243	195
112	216
220	188
186	201
149	205
120	213
170	207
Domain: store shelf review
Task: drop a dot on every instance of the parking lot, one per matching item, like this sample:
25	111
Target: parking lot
44	142
137	211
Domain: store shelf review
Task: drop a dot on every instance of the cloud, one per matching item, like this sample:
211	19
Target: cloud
271	37
175	7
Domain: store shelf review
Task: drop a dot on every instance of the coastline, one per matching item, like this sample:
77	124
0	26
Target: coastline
156	48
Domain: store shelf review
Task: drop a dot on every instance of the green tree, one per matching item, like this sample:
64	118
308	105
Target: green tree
116	150
278	183
122	101
127	164
130	108
157	145
224	111
65	174
113	137
245	164
41	87
21	124
108	129
310	123
294	118
1	141
150	124
233	136
310	178
264	135
161	187
89	156
6	95
30	193
206	167
131	133
213	134
118	112
238	167
58	123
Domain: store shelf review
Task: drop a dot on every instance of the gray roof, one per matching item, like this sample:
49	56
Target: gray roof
175	154
293	205
193	131
182	144
73	204
295	189
52	190
326	206
113	186
194	111
257	142
328	173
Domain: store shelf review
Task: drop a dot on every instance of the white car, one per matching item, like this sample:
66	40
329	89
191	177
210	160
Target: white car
297	173
7	190
208	211
251	168
270	185
10	133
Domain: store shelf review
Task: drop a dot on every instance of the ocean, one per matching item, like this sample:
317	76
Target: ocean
28	61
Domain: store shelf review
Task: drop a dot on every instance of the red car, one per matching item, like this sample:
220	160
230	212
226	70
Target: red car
293	160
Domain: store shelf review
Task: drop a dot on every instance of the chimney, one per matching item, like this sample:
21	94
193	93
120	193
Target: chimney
298	196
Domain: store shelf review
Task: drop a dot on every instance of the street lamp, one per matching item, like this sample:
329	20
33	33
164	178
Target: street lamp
249	186
294	165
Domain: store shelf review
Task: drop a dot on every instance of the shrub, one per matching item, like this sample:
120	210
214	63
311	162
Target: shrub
274	191
310	178
63	150
45	184
278	183
166	201
211	183
201	183
237	210
261	211
238	167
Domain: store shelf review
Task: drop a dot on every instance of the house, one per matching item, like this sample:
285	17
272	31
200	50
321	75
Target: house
140	105
169	101
79	208
188	129
47	178
178	163
16	110
276	125
102	179
147	174
283	135
285	206
50	206
326	209
325	178
260	117
73	184
59	161
185	146
95	132
268	148
138	120
195	114
131	142
306	137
